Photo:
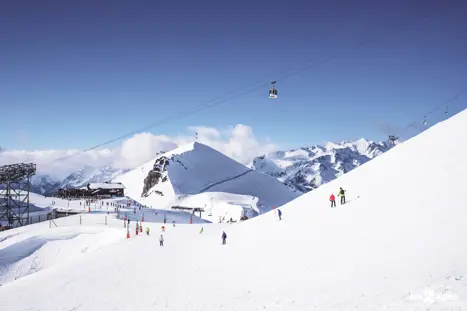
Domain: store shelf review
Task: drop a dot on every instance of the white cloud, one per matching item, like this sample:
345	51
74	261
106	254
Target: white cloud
238	142
141	148
205	131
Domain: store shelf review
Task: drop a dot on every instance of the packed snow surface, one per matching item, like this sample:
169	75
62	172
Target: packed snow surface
398	244
29	249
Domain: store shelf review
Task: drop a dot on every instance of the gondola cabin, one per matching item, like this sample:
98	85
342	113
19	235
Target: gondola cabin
273	90
273	93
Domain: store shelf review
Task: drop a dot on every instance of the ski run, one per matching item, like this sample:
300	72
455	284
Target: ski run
398	243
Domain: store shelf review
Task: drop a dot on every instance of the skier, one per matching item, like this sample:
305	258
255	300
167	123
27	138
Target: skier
163	229
147	230
173	223
224	237
201	231
279	212
342	195
332	198
161	241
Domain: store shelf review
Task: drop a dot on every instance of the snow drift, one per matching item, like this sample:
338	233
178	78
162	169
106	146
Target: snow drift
28	253
195	168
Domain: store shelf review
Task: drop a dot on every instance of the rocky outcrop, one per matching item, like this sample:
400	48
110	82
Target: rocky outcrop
157	175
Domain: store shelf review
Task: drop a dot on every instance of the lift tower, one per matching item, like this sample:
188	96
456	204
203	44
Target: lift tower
15	182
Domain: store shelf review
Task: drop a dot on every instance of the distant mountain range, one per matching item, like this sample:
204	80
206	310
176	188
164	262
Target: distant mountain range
44	184
307	168
302	169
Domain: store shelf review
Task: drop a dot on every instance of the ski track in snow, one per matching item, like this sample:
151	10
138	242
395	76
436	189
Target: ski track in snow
223	181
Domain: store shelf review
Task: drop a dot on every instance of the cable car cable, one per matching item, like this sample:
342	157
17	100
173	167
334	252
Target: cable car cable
445	103
215	102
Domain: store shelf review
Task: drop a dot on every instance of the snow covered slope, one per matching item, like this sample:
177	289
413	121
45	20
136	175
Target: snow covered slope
397	245
309	167
30	249
195	168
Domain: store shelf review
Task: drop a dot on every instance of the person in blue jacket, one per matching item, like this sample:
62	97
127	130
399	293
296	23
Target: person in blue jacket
279	212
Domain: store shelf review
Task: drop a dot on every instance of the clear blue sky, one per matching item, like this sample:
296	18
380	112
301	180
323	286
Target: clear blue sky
76	73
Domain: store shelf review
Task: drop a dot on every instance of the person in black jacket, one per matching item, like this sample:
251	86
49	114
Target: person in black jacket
224	237
342	195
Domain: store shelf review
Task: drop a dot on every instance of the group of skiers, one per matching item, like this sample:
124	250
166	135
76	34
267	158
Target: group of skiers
332	198
161	238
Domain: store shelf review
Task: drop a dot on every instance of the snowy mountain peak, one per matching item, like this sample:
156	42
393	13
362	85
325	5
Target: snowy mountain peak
44	184
196	175
307	168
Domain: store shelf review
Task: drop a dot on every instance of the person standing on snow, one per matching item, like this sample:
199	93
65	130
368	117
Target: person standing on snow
161	241
173	223
342	195
147	230
279	212
224	237
201	231
332	198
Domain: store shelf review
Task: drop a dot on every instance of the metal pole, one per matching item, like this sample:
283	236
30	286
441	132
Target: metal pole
29	189
106	220
80	219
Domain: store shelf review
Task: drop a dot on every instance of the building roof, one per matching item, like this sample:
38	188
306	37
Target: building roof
104	186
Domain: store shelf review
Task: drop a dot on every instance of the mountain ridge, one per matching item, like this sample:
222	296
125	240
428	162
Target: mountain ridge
307	168
303	169
196	175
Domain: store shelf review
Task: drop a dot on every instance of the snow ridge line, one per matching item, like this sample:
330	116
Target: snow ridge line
225	180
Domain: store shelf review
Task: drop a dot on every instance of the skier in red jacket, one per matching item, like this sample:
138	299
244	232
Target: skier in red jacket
332	198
